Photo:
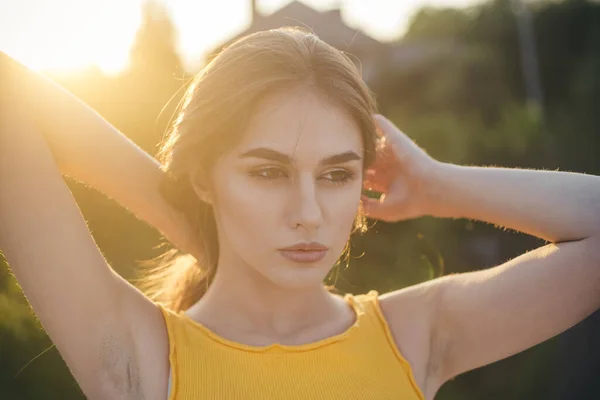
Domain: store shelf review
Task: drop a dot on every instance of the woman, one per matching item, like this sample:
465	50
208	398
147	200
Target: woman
262	180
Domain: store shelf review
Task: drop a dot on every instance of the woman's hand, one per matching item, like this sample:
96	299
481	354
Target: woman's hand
402	172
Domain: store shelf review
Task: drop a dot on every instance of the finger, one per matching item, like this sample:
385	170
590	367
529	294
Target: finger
377	208
394	136
373	182
378	130
384	159
385	125
374	188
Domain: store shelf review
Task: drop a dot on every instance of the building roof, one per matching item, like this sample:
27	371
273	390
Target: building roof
328	25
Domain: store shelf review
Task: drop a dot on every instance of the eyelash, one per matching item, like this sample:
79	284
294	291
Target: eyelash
346	175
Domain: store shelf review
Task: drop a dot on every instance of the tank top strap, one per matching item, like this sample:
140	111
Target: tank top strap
366	305
371	320
369	310
173	327
377	328
364	298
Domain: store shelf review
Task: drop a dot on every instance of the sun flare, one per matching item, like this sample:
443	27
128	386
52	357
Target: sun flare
66	35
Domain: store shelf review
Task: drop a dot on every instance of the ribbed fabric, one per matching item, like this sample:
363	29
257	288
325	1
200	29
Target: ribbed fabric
361	363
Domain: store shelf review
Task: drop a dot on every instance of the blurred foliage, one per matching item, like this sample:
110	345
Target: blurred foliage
465	103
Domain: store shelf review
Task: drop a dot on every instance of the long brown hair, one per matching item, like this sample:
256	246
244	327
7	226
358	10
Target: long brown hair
214	113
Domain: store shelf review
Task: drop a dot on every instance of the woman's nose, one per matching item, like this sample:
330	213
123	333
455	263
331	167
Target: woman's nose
306	209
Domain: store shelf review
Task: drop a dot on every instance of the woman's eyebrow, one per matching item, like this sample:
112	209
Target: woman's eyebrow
274	155
340	158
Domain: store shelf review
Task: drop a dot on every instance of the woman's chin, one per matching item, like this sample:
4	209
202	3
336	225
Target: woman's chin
298	276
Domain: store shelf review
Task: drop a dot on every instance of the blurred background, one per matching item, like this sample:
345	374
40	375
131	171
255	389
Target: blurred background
511	83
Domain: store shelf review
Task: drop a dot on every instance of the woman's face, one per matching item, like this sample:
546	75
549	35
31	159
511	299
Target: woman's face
294	179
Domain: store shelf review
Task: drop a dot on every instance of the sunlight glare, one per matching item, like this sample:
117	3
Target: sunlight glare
66	35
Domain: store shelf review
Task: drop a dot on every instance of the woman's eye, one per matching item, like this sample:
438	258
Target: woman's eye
269	173
338	176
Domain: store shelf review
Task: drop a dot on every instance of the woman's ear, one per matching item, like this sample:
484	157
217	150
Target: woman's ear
199	183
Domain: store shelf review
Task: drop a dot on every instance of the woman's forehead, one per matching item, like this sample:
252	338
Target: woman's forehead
302	123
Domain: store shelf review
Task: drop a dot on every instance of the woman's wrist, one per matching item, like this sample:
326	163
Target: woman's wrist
437	189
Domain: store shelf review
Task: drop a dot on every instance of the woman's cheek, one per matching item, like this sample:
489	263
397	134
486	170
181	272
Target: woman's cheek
342	208
250	202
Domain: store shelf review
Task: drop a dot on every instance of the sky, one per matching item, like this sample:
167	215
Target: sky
66	35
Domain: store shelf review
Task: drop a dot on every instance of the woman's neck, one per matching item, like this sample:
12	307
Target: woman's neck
248	308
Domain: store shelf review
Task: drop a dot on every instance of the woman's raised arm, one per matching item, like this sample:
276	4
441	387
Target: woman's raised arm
88	148
98	321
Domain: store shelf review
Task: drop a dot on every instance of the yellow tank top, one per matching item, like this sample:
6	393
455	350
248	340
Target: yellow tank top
361	363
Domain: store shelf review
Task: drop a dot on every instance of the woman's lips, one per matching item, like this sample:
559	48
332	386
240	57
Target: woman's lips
304	256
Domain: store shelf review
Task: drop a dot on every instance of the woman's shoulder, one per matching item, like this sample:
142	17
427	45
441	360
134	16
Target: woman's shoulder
407	315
